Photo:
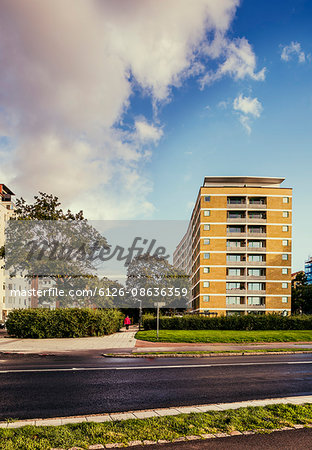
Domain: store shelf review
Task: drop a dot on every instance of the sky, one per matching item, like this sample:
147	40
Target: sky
121	107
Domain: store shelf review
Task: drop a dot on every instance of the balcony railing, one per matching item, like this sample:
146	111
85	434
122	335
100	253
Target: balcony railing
255	234
236	277
253	292
236	219
256	220
236	263
236	205
257	205
236	291
256	249
252	307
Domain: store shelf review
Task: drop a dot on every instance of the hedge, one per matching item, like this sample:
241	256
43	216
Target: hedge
63	323
235	322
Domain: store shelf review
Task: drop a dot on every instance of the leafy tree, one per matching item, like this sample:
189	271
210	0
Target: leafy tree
301	295
152	279
44	240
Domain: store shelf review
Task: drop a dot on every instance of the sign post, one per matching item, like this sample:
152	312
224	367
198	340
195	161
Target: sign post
158	305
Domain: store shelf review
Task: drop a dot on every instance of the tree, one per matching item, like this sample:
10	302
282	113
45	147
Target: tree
301	295
43	240
152	279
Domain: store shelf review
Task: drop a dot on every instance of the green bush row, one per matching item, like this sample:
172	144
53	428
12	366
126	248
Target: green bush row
235	322
63	323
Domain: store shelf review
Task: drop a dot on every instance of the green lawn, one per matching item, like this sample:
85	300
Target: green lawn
230	336
83	435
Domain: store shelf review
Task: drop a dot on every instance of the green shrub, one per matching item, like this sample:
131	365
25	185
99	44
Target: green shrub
63	323
235	322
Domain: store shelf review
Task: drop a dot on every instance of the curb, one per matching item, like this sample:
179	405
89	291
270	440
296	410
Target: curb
155	412
201	355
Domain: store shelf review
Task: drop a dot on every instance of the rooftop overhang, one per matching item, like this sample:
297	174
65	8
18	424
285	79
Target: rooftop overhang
5	190
243	181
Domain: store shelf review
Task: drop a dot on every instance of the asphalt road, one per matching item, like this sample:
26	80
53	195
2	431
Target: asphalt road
38	387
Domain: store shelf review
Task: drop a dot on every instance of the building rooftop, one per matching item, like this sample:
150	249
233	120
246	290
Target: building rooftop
243	181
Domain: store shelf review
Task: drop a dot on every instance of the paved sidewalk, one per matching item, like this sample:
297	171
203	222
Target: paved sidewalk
124	340
159	412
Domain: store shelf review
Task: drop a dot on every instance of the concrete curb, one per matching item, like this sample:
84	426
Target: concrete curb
156	412
199	355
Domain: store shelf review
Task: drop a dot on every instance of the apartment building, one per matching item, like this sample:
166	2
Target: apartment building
6	210
237	249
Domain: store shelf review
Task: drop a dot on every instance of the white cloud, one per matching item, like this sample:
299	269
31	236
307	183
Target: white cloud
239	60
146	132
293	50
67	79
247	108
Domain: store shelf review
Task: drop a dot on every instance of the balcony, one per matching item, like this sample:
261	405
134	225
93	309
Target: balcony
256	249
240	306
235	234
254	234
236	291
236	220
236	263
252	292
256	263
236	205
236	249
254	307
256	220
256	277
236	277
257	205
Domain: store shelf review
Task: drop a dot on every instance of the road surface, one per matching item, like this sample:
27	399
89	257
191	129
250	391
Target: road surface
53	386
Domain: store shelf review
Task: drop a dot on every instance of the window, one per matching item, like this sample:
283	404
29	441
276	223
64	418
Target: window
233	286
206	298
285	199
206	241
206	284
206	227
285	214
233	300
285	242
207	199
234	244
256	258
206	255
254	244
254	272
285	228
255	286
206	269
234	258
207	212
234	272
284	271
254	301
284	285
284	257
284	299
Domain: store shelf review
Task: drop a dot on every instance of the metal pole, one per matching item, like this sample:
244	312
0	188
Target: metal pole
157	322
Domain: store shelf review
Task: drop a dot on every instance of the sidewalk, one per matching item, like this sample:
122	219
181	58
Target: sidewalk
124	340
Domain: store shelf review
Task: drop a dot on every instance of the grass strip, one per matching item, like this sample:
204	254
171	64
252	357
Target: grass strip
266	350
261	419
225	336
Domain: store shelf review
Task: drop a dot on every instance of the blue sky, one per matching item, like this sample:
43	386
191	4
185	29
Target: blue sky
203	136
131	103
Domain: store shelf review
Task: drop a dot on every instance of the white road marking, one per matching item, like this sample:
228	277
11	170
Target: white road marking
188	366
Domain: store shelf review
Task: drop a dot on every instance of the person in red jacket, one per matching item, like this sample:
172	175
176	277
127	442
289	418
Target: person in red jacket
127	322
